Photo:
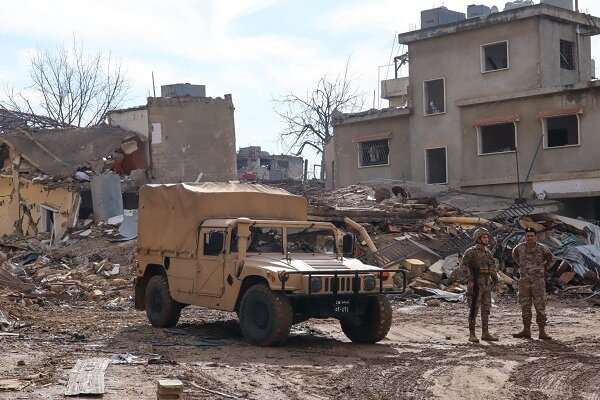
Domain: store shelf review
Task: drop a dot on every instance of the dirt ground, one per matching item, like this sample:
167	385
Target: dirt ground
425	356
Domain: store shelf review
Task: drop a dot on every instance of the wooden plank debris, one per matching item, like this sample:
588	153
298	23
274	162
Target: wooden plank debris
87	377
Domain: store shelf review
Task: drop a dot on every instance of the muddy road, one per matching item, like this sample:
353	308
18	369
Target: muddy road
425	356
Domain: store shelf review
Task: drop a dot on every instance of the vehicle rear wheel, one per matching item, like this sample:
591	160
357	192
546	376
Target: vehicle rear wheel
265	316
161	309
374	325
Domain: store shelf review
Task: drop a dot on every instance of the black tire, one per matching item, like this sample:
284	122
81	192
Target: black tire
374	325
161	309
265	316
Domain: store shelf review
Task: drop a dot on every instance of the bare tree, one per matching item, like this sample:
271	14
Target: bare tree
308	119
71	87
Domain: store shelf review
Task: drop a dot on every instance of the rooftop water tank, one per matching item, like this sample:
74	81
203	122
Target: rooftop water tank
478	10
439	16
182	90
568	4
517	4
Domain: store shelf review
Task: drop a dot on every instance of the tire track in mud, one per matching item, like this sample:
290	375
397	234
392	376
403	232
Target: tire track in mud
560	372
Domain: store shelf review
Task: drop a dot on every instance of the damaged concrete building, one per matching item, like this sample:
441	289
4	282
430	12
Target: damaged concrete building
48	176
255	164
52	178
503	103
190	137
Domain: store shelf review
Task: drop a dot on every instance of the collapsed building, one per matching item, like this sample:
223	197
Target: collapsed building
48	177
501	103
53	178
255	164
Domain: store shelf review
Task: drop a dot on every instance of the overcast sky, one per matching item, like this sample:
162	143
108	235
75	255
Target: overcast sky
254	49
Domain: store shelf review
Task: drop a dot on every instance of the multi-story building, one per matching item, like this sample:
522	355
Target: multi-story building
504	103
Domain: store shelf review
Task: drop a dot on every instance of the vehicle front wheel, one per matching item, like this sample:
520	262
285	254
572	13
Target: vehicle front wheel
265	316
374	325
161	309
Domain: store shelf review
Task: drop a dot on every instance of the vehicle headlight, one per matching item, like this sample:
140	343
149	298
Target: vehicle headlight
315	284
369	283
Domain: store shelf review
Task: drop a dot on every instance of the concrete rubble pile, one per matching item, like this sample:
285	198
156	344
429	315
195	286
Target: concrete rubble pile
573	242
91	263
390	214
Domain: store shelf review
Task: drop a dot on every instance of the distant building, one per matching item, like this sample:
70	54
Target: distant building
190	137
254	164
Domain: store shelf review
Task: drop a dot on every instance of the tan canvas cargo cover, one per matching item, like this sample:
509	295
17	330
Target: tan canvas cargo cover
169	214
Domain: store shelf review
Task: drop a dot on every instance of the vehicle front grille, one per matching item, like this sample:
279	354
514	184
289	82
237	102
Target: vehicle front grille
344	284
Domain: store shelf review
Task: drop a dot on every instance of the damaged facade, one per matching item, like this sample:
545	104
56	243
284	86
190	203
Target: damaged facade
45	181
254	164
503	104
190	138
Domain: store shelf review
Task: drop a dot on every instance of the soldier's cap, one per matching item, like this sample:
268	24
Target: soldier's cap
530	230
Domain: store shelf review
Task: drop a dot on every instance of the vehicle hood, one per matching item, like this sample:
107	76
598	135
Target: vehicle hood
307	262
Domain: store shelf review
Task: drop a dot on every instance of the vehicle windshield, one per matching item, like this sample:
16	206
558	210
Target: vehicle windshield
265	240
311	240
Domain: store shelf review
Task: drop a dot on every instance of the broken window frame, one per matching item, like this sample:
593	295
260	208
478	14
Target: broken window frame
426	169
483	59
361	153
480	141
564	62
545	131
47	224
425	97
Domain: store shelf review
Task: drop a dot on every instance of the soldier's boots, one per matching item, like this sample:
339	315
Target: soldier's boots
525	333
472	335
543	335
485	333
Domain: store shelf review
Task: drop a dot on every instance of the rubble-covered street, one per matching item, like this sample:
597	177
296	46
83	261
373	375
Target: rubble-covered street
425	355
73	302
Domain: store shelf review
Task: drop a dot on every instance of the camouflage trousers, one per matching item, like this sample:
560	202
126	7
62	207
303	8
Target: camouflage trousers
533	291
483	301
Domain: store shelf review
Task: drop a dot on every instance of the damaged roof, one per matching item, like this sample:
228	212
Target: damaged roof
61	152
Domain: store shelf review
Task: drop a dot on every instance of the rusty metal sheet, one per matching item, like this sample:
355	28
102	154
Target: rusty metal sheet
87	377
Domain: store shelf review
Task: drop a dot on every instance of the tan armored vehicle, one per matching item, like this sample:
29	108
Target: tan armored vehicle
250	249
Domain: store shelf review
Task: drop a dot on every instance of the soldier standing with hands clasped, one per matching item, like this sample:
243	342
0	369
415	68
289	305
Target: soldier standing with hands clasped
533	260
483	278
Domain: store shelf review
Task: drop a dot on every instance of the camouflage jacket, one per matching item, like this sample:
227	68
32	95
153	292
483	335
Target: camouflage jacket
480	262
532	262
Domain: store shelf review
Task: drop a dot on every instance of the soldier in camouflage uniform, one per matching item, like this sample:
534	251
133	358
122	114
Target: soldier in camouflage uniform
533	260
483	278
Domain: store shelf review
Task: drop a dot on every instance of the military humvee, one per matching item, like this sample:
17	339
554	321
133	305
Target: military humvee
250	249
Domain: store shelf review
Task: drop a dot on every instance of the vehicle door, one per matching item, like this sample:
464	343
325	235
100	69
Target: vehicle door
211	261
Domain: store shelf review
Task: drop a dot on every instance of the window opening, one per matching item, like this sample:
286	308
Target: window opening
284	164
562	131
436	165
435	98
495	56
48	218
374	153
567	54
497	138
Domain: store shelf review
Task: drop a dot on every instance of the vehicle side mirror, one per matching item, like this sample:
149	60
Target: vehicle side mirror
214	245
348	242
